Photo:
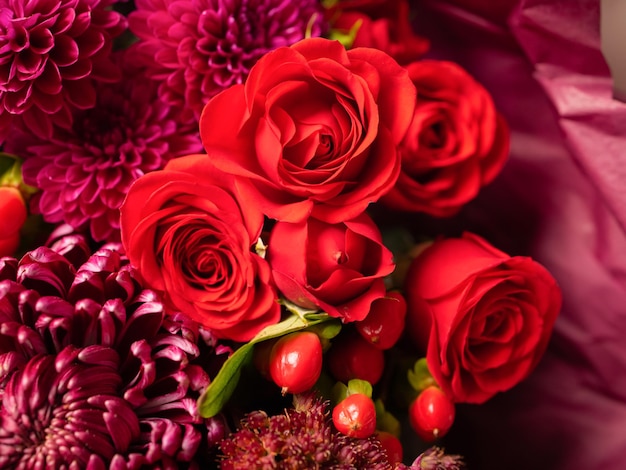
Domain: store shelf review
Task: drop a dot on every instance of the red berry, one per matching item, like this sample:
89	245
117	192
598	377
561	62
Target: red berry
9	245
351	357
261	357
13	211
392	446
355	416
296	361
384	324
431	414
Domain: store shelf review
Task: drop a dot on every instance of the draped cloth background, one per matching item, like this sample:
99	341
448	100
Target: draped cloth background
562	200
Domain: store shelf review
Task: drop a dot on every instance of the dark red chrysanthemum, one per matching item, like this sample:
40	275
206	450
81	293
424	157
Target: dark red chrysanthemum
93	373
84	173
51	54
200	47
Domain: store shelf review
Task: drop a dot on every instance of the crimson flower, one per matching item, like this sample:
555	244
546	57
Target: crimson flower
84	172
200	47
301	438
94	373
435	458
52	52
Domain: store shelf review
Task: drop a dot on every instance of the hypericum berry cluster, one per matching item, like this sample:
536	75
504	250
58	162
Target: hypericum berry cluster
358	351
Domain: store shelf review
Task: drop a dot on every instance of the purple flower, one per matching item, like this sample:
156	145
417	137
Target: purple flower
434	458
84	172
200	47
51	54
302	437
93	372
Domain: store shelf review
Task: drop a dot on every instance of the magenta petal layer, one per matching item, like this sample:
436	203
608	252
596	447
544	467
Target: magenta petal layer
51	55
197	48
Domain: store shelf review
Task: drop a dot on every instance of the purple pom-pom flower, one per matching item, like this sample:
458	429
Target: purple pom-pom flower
84	172
197	48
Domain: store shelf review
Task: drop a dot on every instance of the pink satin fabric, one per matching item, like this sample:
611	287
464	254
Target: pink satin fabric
562	200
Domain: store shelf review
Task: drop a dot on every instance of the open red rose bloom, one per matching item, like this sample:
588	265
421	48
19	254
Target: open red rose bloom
199	252
314	129
484	318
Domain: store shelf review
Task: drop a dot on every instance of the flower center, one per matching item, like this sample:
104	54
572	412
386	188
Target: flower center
57	413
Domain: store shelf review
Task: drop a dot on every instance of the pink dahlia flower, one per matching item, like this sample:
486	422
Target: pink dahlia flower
85	172
51	54
200	47
94	373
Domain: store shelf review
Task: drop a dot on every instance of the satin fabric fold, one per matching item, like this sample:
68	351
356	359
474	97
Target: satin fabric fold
561	199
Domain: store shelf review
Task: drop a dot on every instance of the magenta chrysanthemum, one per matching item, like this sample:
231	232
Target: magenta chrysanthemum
200	47
51	53
93	373
85	172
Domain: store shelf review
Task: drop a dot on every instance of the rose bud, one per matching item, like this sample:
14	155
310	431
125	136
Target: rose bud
336	267
484	318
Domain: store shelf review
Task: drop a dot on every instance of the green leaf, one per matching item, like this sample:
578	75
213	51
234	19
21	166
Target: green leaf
346	37
338	393
223	385
289	325
385	421
11	174
297	310
6	162
327	330
360	386
420	377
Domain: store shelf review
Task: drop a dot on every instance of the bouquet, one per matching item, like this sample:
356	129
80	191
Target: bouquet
223	241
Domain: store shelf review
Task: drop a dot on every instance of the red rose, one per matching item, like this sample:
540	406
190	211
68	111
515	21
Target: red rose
384	25
337	267
314	129
456	144
189	236
483	317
